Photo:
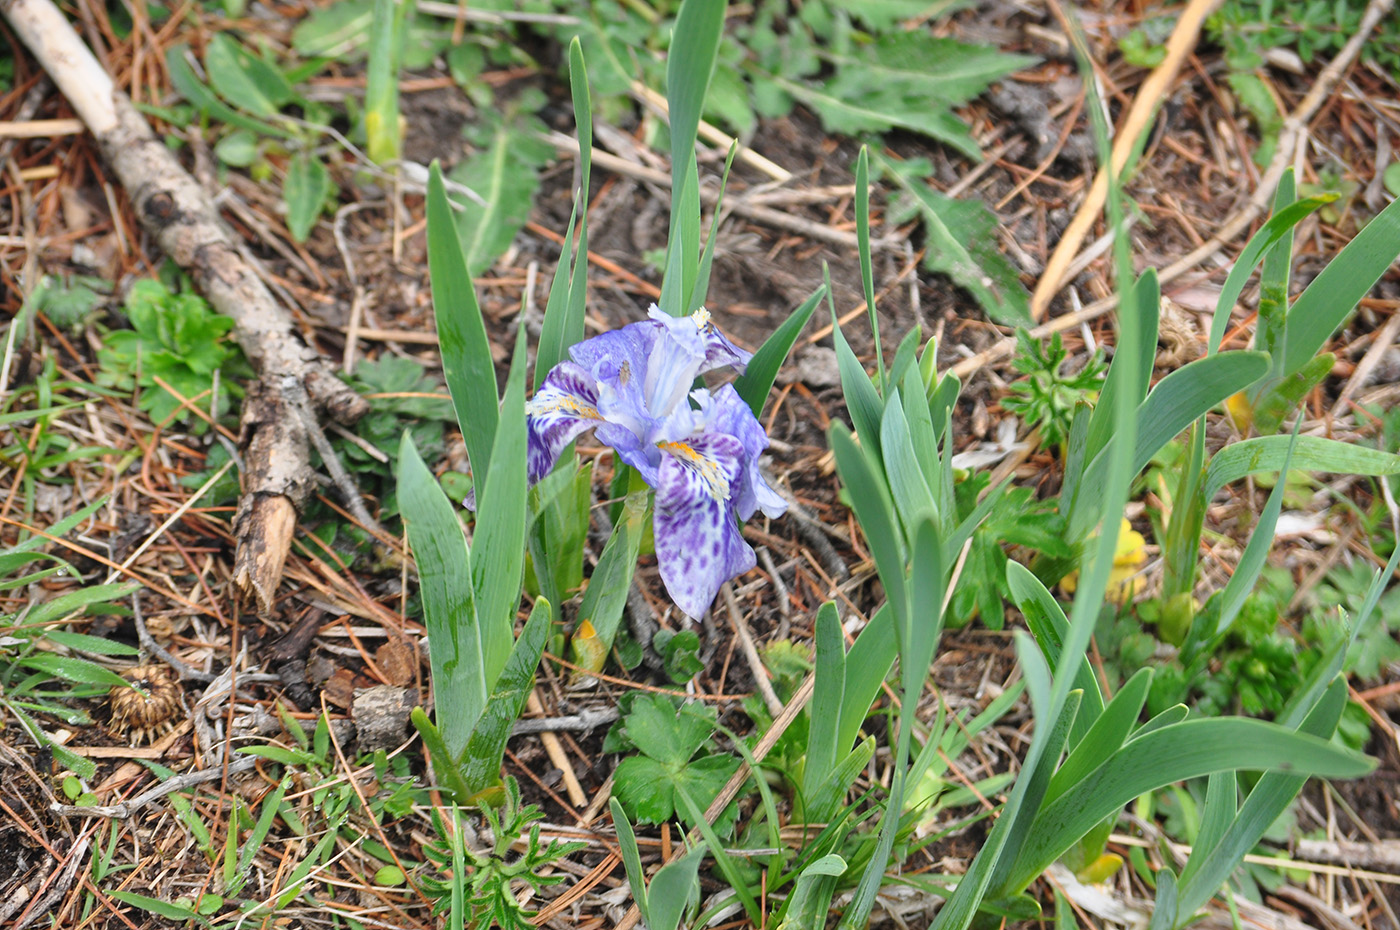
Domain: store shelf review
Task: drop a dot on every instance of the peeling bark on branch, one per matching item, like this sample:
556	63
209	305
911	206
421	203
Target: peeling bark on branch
182	219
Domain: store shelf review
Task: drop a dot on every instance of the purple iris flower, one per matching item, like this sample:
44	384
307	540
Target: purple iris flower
632	387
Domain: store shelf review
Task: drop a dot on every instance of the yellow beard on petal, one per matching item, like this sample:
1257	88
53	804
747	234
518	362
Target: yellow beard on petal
709	471
536	407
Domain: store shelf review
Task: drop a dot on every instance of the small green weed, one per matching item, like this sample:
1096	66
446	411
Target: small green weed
675	756
176	339
488	883
1249	29
1047	397
40	674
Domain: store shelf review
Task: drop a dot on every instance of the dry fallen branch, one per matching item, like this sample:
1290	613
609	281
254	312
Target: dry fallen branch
178	214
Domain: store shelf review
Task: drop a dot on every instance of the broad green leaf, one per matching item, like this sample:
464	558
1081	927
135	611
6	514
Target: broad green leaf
674	887
863	402
923	438
810	901
558	509
683	248
1176	401
71	668
843	109
383	130
606	595
867	276
564	311
928	578
1256	551
466	350
1164	908
1278	226
689	65
905	355
444	765
875	512
505	172
184	80
1173	753
962	243
1312	453
725	862
498	556
1145	297
1269	335
1320	310
868	664
828	692
1038	780
455	648
881	16
756	382
1049	625
239	148
913	500
481	764
631	859
158	907
923	69
1188	392
1046	742
253	843
282	754
60	529
824	803
558	308
1104	737
305	189
244	80
1212	863
1276	400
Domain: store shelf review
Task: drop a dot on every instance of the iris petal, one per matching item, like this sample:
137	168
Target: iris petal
698	544
565	406
725	412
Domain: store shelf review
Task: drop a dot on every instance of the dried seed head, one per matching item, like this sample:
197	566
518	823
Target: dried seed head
141	716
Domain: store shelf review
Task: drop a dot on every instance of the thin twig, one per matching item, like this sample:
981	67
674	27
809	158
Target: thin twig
756	667
581	722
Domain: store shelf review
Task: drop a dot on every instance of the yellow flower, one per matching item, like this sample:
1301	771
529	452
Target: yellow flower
1128	558
1240	411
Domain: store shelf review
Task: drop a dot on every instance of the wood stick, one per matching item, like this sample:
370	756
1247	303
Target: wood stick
177	213
39	128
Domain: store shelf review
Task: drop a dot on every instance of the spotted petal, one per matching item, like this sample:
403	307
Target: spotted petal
698	544
726	412
565	406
